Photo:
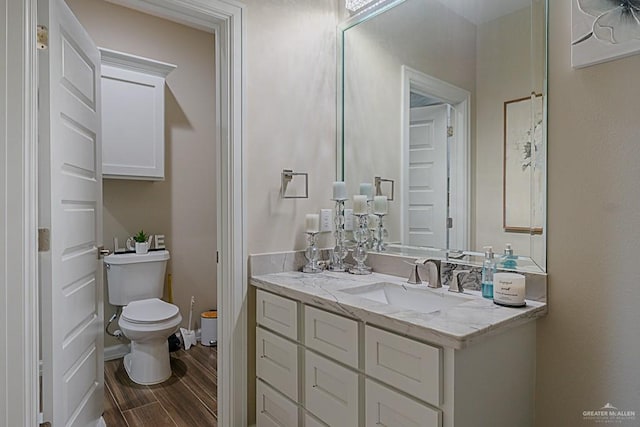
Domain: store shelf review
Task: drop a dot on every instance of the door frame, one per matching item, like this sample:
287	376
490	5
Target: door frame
18	232
460	183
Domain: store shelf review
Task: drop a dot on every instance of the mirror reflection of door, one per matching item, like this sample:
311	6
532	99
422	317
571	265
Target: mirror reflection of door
426	207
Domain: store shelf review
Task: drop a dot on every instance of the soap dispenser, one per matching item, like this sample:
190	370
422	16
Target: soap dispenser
488	269
509	260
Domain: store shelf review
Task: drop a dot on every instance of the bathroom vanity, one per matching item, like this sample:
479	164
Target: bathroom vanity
334	349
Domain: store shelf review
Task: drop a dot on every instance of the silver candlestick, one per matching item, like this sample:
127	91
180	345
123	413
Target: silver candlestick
361	236
340	250
312	254
380	245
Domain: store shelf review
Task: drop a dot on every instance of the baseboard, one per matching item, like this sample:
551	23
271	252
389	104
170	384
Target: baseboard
116	351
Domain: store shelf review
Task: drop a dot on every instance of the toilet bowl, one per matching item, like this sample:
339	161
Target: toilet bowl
148	324
135	282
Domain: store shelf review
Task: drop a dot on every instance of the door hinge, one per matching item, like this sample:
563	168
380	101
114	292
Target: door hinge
449	222
40	418
44	239
217	257
42	37
449	131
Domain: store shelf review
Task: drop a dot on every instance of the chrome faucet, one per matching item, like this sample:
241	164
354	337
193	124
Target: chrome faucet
433	273
433	269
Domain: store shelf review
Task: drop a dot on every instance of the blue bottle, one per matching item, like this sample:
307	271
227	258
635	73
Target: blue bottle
488	269
509	260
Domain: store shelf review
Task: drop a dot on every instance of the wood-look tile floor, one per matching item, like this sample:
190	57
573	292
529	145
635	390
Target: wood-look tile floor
187	399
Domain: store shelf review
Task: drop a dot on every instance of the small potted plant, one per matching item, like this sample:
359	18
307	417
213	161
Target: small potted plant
142	246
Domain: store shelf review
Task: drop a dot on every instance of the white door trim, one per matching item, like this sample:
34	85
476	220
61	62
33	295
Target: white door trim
18	248
19	367
460	182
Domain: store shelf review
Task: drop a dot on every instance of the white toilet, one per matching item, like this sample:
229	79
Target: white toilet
136	282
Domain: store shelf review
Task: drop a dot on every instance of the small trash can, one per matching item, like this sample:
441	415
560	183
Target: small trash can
209	328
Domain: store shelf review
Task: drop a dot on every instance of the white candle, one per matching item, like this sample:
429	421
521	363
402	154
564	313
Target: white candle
339	190
366	189
380	205
312	223
509	288
360	204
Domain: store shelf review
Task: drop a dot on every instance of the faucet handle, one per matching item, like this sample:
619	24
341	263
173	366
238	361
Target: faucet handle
456	282
414	277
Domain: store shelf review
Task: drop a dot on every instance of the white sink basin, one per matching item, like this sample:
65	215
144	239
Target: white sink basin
421	299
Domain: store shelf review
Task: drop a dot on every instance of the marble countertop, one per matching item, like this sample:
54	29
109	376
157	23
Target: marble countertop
455	326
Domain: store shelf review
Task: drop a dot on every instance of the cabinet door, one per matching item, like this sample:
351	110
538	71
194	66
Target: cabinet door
273	409
385	407
331	391
277	313
277	362
133	124
311	421
408	365
332	335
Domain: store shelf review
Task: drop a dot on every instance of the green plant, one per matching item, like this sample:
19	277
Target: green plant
141	237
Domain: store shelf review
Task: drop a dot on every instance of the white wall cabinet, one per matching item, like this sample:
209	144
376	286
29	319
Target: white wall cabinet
339	372
132	116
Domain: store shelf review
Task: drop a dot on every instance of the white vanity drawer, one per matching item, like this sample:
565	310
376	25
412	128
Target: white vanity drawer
385	407
332	335
331	391
277	362
408	365
311	421
273	409
277	313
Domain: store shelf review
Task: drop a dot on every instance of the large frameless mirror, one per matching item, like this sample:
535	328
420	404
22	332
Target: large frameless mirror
444	103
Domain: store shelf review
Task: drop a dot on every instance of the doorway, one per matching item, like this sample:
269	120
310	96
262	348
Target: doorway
435	141
225	20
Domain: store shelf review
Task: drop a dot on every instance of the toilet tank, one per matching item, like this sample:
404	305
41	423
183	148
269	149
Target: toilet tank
133	277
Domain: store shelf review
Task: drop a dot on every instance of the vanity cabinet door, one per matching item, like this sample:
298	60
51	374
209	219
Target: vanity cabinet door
277	362
408	365
332	335
273	409
277	313
311	421
331	391
385	407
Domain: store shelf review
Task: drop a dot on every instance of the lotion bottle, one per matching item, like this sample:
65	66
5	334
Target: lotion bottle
488	269
508	259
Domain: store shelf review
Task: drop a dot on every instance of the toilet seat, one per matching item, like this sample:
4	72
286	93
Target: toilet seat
149	311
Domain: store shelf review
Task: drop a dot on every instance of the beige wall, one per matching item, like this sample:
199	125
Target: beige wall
588	345
290	115
183	206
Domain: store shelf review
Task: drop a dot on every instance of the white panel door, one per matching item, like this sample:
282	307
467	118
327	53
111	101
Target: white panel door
70	205
426	207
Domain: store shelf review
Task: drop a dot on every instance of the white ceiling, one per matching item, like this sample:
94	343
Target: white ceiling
481	11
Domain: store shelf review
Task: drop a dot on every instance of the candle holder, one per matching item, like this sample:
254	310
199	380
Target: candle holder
362	236
340	250
311	254
380	245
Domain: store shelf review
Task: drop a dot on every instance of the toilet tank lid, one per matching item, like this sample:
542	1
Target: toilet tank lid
130	258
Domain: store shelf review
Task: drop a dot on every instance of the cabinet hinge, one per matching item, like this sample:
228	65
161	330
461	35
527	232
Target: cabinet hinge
44	239
449	131
217	257
449	222
42	37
